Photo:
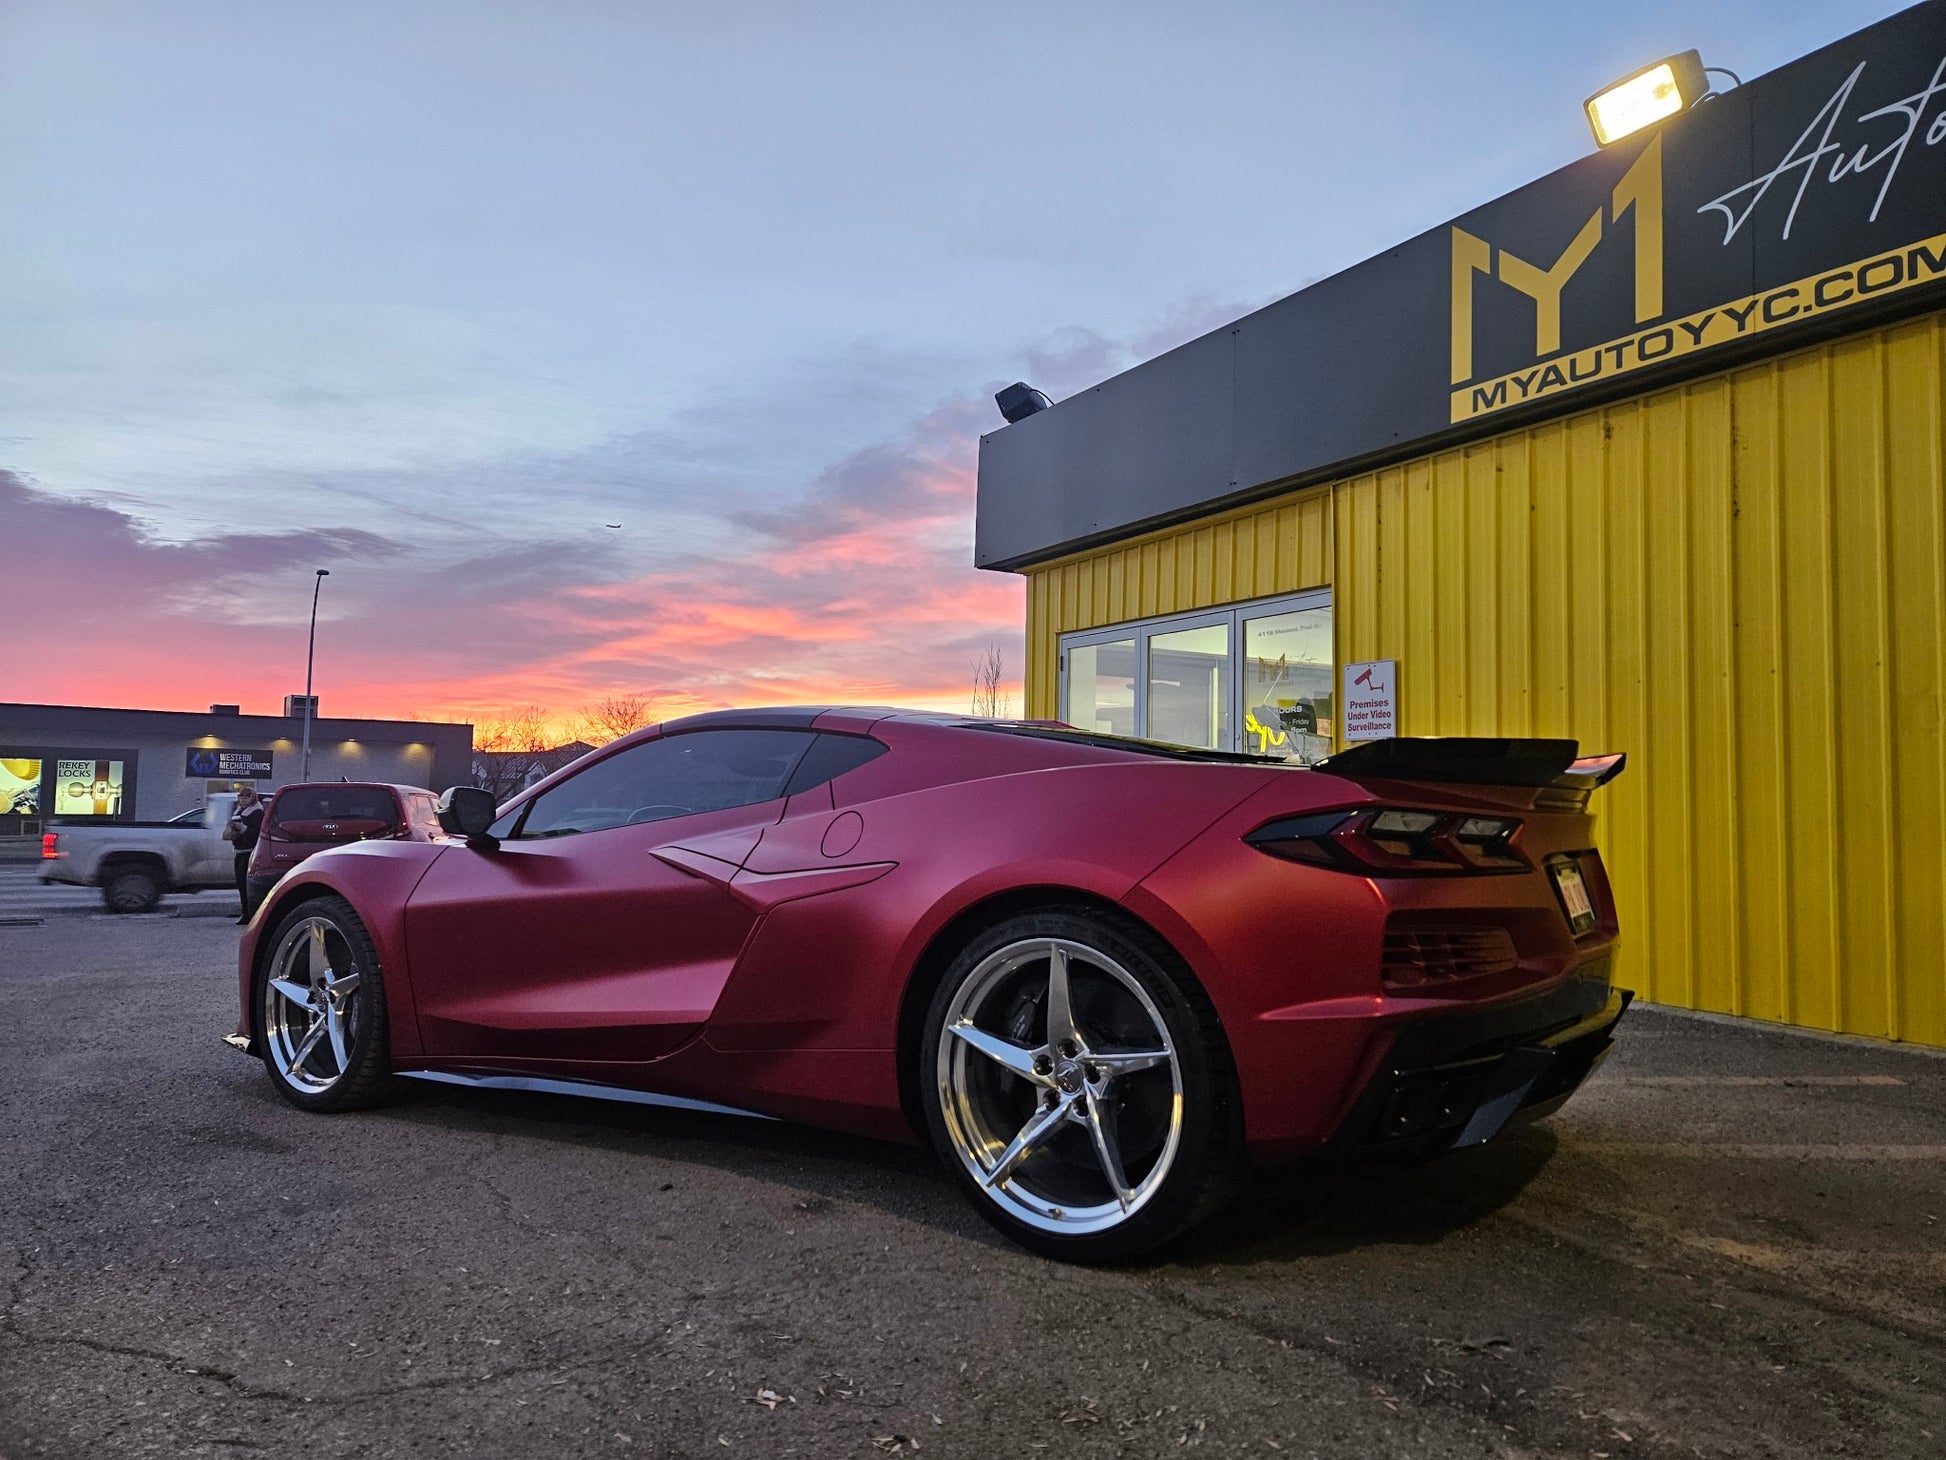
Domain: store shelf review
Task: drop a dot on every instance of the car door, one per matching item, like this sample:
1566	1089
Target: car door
582	935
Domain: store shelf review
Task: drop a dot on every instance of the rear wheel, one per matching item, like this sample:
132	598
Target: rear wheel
321	1012
132	888
1077	1084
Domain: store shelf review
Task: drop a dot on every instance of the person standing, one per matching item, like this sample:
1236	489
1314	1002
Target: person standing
245	824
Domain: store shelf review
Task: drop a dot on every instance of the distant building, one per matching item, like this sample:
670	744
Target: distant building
148	765
505	772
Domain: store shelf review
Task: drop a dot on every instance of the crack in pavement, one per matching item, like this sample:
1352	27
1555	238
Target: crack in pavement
175	1362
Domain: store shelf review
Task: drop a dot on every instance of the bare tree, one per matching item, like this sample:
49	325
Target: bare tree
611	718
990	701
509	748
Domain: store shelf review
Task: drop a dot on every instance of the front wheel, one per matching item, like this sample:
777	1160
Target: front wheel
321	1015
1077	1083
131	889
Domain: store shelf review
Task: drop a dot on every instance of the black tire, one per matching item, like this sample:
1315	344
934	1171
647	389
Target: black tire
310	1066
1177	1162
132	888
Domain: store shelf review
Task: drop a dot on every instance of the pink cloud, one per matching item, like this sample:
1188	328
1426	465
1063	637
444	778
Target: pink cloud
862	590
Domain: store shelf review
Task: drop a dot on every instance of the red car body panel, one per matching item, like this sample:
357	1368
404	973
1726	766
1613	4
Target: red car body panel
764	957
635	951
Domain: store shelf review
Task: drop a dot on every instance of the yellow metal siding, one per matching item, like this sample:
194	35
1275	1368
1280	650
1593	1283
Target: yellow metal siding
1740	581
1243	555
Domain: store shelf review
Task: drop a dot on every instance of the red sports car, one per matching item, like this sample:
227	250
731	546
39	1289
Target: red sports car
1101	976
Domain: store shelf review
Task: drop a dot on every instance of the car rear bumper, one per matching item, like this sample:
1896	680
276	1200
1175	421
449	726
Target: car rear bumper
1458	1080
1324	1073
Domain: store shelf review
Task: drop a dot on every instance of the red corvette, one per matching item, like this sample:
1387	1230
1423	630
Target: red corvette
1103	977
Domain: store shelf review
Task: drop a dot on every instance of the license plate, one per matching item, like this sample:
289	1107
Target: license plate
1574	896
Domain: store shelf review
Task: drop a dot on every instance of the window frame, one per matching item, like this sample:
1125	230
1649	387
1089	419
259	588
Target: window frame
1142	630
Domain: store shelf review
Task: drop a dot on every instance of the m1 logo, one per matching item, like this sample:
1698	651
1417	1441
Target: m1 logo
1638	197
1824	176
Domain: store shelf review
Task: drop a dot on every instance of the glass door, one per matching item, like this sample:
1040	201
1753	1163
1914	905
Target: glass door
1189	686
1288	682
1100	684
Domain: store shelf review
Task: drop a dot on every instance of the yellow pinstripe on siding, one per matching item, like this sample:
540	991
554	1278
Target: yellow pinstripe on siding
1740	581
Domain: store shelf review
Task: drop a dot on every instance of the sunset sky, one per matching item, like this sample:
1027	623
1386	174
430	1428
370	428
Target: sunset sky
426	294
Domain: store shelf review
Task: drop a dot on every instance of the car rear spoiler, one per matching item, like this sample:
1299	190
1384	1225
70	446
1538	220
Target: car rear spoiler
1554	768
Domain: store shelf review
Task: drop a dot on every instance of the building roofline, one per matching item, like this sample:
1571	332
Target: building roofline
387	728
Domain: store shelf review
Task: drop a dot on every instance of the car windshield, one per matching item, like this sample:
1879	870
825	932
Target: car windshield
1120	742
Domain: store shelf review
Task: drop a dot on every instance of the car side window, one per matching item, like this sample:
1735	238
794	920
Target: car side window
830	758
675	775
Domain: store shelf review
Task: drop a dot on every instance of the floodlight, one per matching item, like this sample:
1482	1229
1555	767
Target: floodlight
1669	86
1019	401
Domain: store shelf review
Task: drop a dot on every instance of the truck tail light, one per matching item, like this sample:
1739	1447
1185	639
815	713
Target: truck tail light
1392	841
51	846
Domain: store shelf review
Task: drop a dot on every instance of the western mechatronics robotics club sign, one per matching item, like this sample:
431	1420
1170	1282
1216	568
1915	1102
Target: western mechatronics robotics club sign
227	765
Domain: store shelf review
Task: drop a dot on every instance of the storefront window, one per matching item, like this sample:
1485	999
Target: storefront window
1101	687
1287	684
20	787
1258	677
1189	687
88	788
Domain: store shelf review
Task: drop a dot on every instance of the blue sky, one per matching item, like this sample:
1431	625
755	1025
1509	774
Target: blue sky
441	288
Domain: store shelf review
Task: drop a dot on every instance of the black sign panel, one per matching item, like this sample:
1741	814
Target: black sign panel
1812	197
227	765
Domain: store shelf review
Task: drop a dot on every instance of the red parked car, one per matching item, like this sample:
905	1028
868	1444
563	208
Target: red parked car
304	819
1101	976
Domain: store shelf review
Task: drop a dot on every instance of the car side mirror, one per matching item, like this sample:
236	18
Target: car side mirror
469	812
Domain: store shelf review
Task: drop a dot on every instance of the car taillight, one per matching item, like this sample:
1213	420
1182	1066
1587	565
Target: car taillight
51	846
1394	841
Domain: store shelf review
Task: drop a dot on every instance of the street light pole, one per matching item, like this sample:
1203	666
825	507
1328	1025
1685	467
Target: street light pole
310	655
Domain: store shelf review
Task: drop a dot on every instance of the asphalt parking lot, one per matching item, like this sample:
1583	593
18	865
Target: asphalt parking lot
1733	1244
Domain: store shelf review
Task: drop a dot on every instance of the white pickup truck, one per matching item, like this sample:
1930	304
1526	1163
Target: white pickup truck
135	863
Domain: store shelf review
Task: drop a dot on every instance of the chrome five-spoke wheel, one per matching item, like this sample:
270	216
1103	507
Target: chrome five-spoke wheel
1065	1068
322	1009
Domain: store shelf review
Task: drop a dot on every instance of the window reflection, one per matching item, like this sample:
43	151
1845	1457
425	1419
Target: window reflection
1288	684
1189	687
1101	687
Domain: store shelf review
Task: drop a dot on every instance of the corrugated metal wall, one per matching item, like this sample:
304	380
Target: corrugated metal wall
1741	582
1228	559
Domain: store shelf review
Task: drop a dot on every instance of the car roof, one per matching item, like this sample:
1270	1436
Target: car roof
771	717
860	719
806	717
350	786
